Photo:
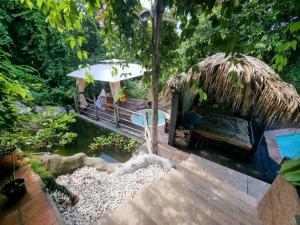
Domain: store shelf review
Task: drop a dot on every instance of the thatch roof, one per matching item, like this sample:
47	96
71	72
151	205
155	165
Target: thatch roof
263	90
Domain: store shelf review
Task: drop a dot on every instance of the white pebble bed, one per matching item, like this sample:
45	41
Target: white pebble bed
101	192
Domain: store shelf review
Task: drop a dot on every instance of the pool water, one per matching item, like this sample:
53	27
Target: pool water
86	132
140	119
289	145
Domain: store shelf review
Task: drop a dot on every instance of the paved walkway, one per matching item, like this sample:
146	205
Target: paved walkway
33	208
197	192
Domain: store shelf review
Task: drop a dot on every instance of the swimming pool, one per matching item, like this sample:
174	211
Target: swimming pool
289	145
139	118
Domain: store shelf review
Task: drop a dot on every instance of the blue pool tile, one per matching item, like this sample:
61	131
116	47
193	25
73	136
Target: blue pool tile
289	145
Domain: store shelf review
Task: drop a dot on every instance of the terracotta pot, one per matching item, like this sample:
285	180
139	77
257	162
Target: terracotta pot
14	190
6	162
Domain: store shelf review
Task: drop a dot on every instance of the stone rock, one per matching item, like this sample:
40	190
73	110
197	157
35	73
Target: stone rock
57	110
22	108
99	164
142	161
59	165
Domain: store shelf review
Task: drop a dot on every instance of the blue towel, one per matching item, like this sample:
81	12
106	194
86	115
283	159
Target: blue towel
192	118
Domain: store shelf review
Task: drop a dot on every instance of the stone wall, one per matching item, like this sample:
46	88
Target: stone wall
280	204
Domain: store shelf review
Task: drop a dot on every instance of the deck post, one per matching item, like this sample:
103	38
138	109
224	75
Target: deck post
147	119
173	118
96	109
116	114
260	135
75	102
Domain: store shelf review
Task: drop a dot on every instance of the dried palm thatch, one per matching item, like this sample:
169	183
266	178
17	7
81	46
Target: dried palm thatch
264	93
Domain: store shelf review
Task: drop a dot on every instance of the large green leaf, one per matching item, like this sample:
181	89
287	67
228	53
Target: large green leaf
290	170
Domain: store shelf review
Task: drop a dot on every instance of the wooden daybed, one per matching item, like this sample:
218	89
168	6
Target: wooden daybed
228	130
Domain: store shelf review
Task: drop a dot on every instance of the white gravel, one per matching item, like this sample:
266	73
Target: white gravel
101	192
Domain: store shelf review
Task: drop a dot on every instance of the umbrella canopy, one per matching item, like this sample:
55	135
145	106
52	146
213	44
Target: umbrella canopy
113	70
263	93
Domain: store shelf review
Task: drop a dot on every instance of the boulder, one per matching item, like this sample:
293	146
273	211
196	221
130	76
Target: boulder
59	165
142	161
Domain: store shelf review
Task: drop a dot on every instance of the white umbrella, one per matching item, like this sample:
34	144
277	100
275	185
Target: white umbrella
112	70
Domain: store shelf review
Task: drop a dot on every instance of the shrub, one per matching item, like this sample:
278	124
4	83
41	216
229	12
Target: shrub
40	130
113	142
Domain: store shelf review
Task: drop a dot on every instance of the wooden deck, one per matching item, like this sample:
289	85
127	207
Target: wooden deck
273	148
116	115
197	192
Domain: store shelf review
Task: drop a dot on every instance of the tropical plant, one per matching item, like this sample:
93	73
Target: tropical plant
113	142
32	41
43	130
136	89
290	170
10	90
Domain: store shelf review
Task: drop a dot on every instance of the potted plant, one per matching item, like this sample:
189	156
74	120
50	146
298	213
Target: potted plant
122	97
15	189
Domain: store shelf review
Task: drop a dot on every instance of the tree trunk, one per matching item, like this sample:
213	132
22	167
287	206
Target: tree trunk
156	27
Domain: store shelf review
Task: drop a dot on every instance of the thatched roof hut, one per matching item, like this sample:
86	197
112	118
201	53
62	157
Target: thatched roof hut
263	93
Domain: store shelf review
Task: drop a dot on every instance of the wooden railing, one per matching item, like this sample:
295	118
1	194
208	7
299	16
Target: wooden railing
117	116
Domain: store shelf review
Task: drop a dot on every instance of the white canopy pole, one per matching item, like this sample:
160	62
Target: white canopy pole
80	84
115	88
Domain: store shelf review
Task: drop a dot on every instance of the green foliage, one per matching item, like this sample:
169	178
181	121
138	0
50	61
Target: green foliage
113	142
292	74
202	95
10	90
136	89
32	41
265	29
290	170
37	131
49	180
131	145
122	94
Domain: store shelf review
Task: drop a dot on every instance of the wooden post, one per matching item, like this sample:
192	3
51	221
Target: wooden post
147	119
156	30
75	101
96	109
116	114
173	118
259	136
